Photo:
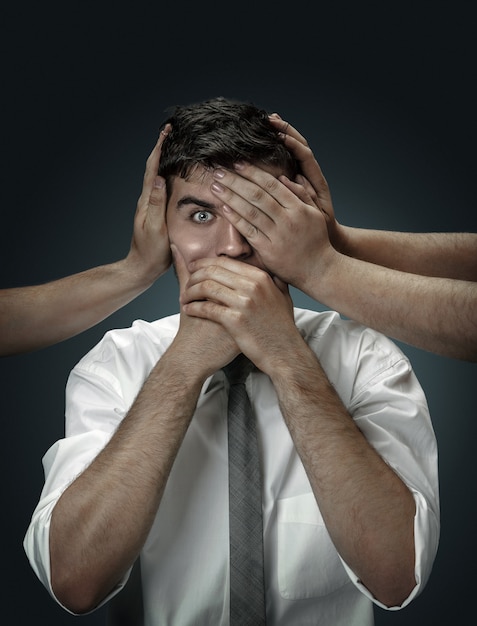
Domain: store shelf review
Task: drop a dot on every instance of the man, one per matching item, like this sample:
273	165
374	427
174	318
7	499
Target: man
420	288
37	316
347	452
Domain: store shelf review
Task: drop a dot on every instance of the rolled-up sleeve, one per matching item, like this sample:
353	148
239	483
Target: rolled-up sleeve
99	393
63	462
391	411
94	408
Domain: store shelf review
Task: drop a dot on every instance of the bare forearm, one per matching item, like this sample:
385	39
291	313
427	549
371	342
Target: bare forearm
435	314
366	507
446	255
37	316
89	550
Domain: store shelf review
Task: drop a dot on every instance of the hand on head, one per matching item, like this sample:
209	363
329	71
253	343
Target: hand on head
313	179
150	243
278	217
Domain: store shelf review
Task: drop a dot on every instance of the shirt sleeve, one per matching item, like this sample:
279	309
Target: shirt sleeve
391	411
62	463
94	409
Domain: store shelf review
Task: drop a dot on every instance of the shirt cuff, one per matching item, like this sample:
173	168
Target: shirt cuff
426	540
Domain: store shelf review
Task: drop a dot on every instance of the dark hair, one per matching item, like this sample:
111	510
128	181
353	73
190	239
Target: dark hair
218	133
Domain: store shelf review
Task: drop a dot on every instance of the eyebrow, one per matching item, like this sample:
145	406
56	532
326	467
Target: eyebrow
185	200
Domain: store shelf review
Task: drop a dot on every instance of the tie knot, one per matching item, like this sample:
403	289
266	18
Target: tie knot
238	370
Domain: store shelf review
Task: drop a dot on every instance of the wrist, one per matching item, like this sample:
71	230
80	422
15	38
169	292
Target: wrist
138	273
320	280
181	369
358	243
293	372
188	363
344	239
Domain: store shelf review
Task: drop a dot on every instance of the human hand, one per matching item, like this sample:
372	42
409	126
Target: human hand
202	342
311	170
150	251
253	307
279	218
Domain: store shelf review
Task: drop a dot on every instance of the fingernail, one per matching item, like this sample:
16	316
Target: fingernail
159	182
275	115
216	187
240	165
219	173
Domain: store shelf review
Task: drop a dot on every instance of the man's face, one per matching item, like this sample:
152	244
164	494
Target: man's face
197	226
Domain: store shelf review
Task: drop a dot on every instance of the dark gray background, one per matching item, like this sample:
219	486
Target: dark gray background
383	91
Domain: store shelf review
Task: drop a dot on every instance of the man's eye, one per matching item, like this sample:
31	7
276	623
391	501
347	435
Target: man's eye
201	216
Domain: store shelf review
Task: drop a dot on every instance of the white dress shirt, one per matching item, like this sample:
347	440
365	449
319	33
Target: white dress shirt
185	560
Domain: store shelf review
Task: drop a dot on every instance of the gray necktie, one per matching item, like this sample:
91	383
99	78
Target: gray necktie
247	595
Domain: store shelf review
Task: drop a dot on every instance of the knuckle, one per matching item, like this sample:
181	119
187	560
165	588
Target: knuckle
253	213
209	285
208	289
257	194
210	271
155	198
256	290
271	184
251	232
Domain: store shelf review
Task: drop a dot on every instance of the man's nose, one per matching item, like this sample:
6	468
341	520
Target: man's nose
231	243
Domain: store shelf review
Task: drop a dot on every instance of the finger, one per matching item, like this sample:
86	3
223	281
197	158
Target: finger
273	186
248	193
209	290
308	187
298	145
300	149
212	281
286	128
152	163
207	310
150	216
151	206
250	232
232	265
256	195
156	205
210	269
309	166
305	194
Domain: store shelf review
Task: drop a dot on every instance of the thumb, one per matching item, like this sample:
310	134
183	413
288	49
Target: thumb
158	192
284	288
282	285
180	267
